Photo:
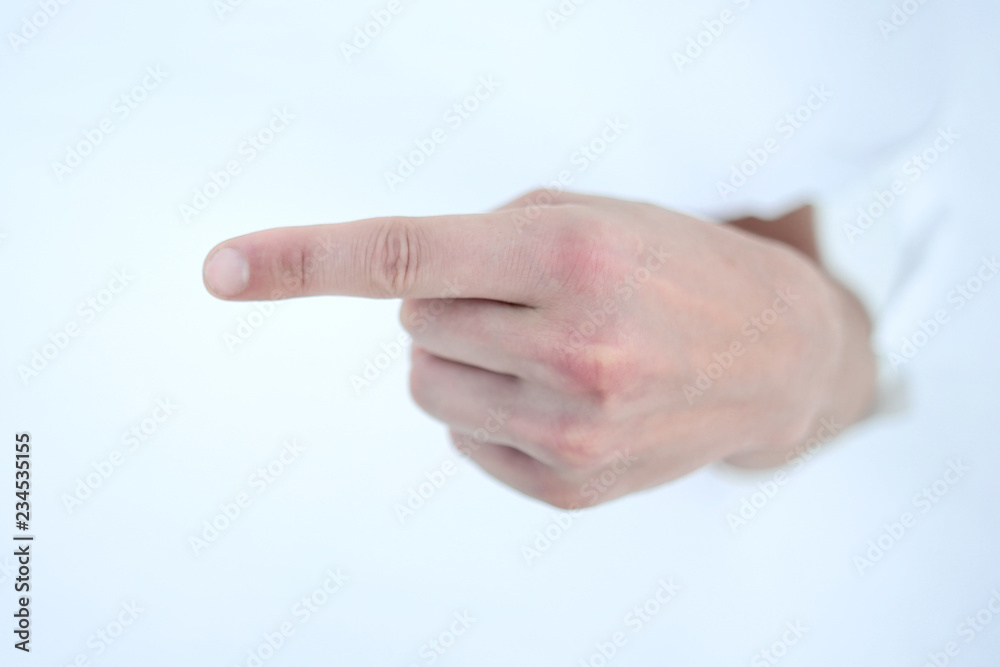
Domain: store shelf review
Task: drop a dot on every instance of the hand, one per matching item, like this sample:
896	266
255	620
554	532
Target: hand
581	348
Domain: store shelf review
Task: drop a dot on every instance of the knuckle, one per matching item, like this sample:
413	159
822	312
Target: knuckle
411	316
466	445
425	317
791	431
422	381
540	197
597	371
573	444
559	494
581	256
393	257
535	198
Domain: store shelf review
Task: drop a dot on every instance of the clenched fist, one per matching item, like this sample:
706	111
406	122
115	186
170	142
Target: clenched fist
580	348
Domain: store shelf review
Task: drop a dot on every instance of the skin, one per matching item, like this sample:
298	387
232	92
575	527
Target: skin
561	337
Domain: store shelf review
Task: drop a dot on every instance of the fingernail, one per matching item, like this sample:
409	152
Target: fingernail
227	273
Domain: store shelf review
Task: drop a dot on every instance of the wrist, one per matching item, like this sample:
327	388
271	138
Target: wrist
845	390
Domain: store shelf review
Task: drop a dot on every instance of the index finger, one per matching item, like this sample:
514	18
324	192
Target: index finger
468	256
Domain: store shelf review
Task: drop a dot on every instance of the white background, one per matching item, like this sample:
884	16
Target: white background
164	337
